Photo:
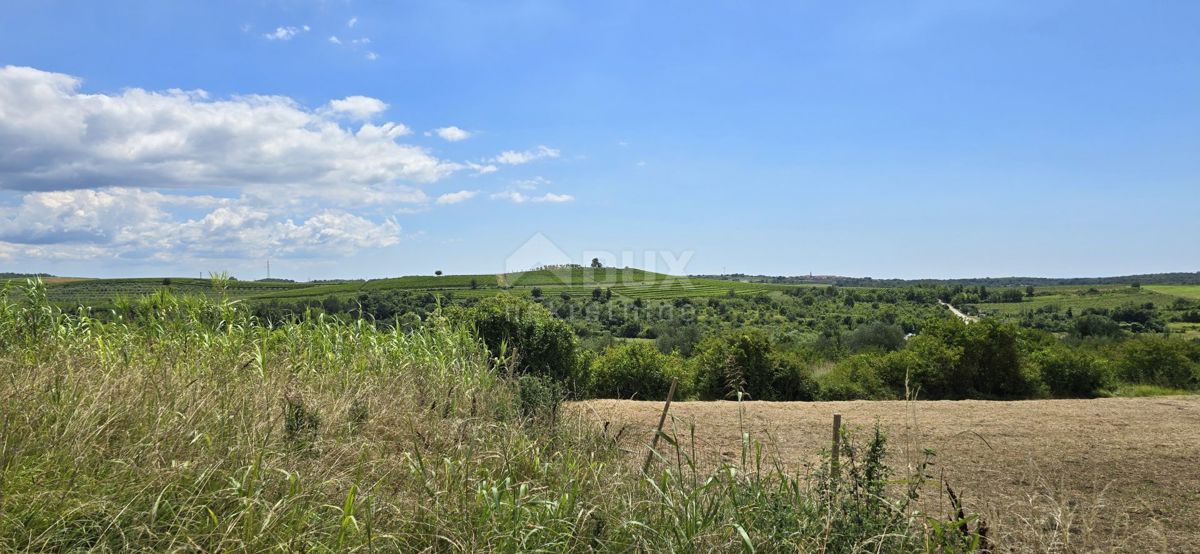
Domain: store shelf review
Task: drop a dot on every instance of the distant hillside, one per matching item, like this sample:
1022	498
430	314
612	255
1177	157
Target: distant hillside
6	275
572	282
1145	279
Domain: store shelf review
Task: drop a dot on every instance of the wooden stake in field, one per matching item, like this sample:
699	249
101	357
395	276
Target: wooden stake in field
837	443
658	430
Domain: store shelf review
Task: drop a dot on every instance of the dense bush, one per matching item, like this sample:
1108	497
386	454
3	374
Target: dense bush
673	337
855	378
877	335
542	344
921	369
747	361
1158	361
1071	373
639	371
950	359
1093	325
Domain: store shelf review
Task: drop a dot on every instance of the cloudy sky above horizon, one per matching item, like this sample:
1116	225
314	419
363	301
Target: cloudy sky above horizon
353	139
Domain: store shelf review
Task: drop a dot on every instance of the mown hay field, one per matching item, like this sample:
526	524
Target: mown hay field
1119	474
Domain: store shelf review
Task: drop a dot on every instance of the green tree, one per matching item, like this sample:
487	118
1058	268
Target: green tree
540	343
877	335
747	361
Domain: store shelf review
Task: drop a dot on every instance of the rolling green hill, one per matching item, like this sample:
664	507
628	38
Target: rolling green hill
575	282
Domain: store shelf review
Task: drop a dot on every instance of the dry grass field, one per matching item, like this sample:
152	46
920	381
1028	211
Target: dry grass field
1119	474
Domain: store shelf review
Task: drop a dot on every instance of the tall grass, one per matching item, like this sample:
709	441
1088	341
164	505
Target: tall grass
182	423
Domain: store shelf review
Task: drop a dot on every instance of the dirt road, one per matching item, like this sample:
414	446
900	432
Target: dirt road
966	318
1118	474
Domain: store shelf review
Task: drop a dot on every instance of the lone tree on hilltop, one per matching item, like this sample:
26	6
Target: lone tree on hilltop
596	263
438	273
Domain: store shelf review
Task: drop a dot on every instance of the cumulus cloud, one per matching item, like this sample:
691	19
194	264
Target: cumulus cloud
334	40
52	136
514	157
357	107
286	33
352	22
372	56
179	175
133	223
456	197
451	133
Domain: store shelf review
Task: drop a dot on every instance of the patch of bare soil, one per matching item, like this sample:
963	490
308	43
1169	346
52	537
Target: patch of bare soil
1117	474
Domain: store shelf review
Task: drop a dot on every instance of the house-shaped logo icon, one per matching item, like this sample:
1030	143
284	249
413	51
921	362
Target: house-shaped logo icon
536	252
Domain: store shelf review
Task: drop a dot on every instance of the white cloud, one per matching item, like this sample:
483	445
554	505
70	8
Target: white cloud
452	133
456	197
334	40
133	223
179	175
530	184
482	169
286	33
352	22
517	197
372	56
513	157
357	107
551	197
55	137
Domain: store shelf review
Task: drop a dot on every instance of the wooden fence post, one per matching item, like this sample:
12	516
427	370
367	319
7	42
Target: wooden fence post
837	443
658	430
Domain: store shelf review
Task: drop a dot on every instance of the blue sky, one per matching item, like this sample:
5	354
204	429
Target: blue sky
355	139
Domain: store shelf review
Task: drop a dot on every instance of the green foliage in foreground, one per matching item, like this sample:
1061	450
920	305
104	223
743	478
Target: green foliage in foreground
194	427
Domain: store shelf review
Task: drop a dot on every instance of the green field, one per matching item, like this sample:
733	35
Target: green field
575	282
1182	291
1079	298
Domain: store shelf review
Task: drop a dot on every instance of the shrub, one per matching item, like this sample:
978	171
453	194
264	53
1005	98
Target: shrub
854	379
877	335
542	344
539	397
1093	325
637	370
677	338
950	359
1069	373
921	369
746	361
991	361
1158	361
